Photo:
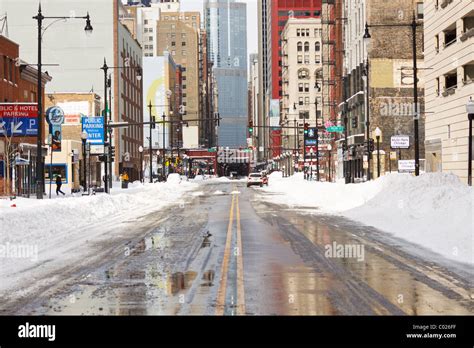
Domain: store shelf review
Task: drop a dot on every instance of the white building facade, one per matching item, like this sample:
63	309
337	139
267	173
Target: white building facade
302	65
449	54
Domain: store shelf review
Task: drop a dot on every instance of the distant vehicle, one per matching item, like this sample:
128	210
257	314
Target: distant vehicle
255	179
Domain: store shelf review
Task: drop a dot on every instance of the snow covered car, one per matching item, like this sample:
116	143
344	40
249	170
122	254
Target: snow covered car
255	179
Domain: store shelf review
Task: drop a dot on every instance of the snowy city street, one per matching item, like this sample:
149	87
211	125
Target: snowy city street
217	247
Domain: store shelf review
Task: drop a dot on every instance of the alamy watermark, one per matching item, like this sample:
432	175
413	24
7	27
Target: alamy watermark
19	251
399	109
345	251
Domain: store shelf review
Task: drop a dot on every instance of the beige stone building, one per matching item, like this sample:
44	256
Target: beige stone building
302	64
449	54
178	33
74	106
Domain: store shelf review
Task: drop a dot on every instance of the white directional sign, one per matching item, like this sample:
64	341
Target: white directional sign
400	142
406	166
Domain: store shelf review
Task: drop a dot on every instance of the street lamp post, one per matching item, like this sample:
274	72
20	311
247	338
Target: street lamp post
317	143
311	163
140	149
84	160
378	133
413	25
329	155
39	141
150	144
108	83
470	115
366	38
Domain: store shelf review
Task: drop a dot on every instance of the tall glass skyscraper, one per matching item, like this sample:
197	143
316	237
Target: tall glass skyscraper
226	25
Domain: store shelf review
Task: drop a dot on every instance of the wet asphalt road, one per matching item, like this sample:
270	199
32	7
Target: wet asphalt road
225	252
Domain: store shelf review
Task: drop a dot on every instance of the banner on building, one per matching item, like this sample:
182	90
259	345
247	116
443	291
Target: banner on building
55	119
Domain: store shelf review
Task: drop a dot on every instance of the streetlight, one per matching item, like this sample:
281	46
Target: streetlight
157	162
108	83
39	140
470	116
140	149
378	133
366	39
413	26
329	150
84	162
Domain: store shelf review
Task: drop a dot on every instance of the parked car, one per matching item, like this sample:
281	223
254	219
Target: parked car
255	179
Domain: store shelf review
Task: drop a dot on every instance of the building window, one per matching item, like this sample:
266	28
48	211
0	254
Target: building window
150	38
145	21
306	46
450	35
306	100
298	32
300	59
437	86
317	59
303	74
437	43
306	59
419	10
183	35
300	87
183	52
300	101
451	82
304	115
183	43
193	18
300	46
173	43
173	26
317	46
307	32
306	87
173	53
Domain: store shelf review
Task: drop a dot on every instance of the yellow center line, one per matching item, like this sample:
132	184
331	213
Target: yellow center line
240	266
220	304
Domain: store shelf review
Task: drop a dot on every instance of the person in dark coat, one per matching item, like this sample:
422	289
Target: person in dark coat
59	183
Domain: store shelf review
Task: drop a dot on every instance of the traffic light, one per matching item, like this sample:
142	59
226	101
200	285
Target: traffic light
354	122
371	145
153	122
306	126
250	127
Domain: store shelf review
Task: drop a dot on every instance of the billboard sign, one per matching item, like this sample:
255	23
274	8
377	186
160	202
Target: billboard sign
55	119
18	119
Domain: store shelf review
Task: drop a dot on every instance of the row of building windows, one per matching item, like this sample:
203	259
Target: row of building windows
173	18
318	32
317	46
317	59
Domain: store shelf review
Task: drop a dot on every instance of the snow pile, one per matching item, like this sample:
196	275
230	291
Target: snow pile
434	210
51	227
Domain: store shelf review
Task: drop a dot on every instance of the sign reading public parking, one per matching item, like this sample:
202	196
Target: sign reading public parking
19	119
94	127
400	142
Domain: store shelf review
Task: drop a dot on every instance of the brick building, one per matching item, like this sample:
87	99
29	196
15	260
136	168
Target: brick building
18	84
390	82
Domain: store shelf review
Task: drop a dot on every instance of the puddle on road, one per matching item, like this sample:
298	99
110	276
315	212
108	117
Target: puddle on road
208	278
399	279
181	281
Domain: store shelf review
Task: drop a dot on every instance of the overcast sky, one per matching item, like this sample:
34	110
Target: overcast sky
252	37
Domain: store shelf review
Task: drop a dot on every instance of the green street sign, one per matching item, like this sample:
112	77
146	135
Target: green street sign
212	149
335	129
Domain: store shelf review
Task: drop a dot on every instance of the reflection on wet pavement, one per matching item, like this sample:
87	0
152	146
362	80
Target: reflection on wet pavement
174	267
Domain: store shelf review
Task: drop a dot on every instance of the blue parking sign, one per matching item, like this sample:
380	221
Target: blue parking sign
94	127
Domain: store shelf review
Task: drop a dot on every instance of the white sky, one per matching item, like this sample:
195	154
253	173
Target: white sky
252	24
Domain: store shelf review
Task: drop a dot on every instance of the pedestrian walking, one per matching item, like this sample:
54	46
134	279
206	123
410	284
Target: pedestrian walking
59	183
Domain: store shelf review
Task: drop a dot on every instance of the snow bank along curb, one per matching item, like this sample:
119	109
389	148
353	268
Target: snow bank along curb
434	210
